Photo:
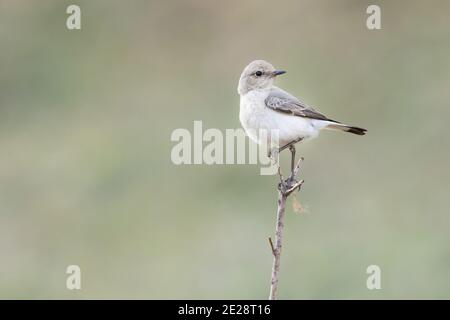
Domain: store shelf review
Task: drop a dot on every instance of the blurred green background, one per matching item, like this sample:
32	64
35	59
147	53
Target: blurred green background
86	176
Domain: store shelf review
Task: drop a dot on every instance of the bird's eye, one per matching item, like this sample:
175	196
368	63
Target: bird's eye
258	73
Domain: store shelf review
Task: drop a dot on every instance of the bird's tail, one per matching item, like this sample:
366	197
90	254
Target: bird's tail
346	128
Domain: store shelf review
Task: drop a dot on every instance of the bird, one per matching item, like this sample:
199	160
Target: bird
263	106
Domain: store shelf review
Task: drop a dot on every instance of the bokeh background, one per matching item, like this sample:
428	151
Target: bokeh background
85	170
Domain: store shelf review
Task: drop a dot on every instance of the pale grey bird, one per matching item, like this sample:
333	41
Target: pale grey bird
267	107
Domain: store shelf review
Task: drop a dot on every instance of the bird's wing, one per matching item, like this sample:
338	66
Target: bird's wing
281	101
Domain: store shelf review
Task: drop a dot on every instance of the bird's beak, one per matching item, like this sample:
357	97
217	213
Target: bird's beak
278	72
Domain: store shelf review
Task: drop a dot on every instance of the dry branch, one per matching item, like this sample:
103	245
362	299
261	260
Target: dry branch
285	188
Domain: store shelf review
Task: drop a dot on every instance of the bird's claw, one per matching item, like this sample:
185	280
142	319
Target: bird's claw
289	185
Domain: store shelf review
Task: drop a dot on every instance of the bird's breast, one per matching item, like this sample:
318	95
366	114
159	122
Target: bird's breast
253	111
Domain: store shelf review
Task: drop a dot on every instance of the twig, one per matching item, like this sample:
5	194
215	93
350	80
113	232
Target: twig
285	188
278	243
272	247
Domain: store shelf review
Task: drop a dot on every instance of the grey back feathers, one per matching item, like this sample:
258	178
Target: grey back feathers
280	100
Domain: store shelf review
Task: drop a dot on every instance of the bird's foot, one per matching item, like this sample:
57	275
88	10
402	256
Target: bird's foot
289	185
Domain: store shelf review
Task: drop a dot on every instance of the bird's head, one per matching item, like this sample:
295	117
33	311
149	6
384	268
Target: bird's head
259	74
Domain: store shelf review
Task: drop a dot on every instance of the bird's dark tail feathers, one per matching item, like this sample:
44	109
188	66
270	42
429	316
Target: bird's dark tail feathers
343	127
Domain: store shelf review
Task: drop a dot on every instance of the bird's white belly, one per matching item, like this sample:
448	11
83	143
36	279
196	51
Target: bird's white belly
255	116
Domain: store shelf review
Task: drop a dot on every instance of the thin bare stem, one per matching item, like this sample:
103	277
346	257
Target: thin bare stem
285	188
278	244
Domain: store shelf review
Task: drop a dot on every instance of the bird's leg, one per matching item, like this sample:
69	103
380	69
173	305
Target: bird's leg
288	145
294	169
292	149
